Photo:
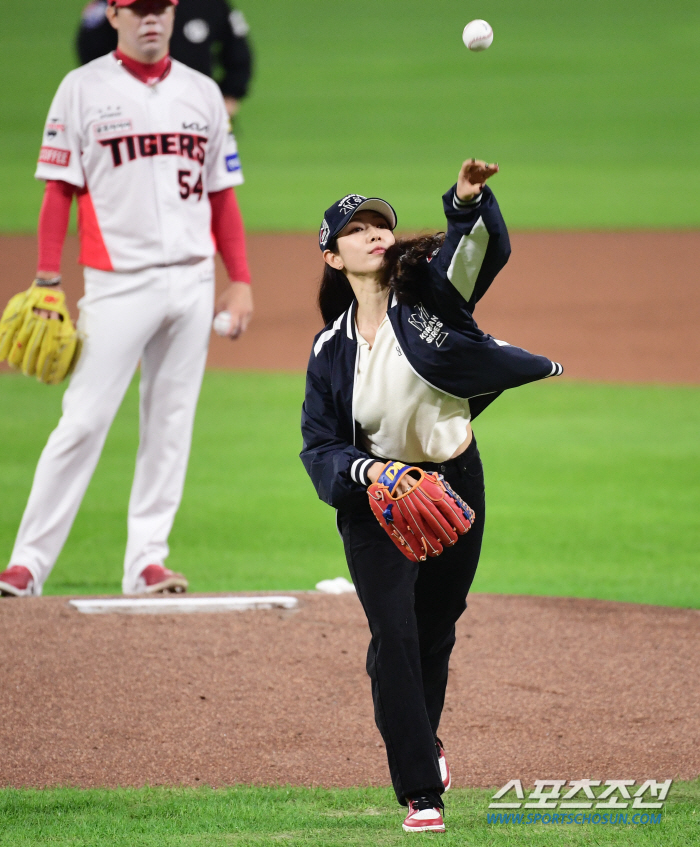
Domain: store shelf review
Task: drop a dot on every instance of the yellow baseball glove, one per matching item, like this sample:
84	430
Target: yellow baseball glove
47	348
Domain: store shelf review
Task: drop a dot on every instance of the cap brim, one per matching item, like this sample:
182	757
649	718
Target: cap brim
374	204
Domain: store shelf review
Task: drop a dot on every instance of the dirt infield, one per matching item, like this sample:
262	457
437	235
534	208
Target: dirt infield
540	688
611	306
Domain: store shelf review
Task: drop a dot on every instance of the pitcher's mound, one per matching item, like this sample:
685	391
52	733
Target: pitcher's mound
540	688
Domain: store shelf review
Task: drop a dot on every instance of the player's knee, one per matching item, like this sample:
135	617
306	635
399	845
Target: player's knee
437	642
395	637
74	430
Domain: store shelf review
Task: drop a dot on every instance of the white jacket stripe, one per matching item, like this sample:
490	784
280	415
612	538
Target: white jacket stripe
364	479
468	259
354	468
328	334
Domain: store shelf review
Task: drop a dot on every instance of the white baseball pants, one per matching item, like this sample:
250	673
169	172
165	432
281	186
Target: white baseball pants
162	317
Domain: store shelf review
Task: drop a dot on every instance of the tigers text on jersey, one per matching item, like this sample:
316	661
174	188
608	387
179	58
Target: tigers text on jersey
144	159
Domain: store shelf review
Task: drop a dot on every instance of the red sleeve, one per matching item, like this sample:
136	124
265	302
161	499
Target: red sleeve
53	224
227	228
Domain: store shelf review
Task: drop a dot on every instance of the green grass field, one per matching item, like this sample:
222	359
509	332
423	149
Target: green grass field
591	109
360	817
591	491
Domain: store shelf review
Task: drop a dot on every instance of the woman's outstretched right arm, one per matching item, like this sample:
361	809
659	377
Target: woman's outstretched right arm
476	245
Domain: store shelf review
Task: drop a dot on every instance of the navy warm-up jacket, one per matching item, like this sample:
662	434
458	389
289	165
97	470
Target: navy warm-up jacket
438	336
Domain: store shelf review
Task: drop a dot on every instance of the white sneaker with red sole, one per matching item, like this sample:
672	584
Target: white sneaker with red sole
155	579
423	816
445	774
16	581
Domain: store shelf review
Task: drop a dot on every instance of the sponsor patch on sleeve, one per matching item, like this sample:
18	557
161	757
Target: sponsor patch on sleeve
233	163
53	127
54	156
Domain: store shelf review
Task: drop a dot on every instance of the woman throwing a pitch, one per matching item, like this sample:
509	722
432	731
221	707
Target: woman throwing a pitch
394	380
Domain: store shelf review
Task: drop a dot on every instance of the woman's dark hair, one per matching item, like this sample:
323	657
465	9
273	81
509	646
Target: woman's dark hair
334	292
402	273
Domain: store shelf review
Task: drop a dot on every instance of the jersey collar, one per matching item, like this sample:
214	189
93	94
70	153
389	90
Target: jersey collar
149	74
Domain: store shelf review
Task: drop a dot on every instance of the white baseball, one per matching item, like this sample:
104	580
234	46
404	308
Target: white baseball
222	323
477	36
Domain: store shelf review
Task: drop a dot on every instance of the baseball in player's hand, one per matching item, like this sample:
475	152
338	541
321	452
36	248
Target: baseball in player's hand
472	176
237	300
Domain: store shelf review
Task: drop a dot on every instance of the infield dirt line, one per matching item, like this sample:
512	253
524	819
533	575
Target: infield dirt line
610	306
540	688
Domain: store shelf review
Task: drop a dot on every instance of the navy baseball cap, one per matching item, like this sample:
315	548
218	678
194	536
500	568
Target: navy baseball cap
340	214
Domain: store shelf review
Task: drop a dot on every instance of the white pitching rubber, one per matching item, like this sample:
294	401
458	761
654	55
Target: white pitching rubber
179	605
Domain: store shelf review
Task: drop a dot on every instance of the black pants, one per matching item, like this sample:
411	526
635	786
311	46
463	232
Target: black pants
412	609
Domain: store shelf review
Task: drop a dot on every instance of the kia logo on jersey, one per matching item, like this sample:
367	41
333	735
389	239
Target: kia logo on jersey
163	144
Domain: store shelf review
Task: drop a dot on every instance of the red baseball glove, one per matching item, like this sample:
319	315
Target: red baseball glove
425	519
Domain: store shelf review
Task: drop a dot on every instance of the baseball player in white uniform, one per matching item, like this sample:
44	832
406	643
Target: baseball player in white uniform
144	143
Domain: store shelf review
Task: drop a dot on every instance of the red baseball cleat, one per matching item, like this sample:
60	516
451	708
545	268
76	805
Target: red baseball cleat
423	816
16	581
445	774
155	579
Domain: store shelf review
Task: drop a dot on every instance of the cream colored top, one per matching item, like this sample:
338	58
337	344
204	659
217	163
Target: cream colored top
400	416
